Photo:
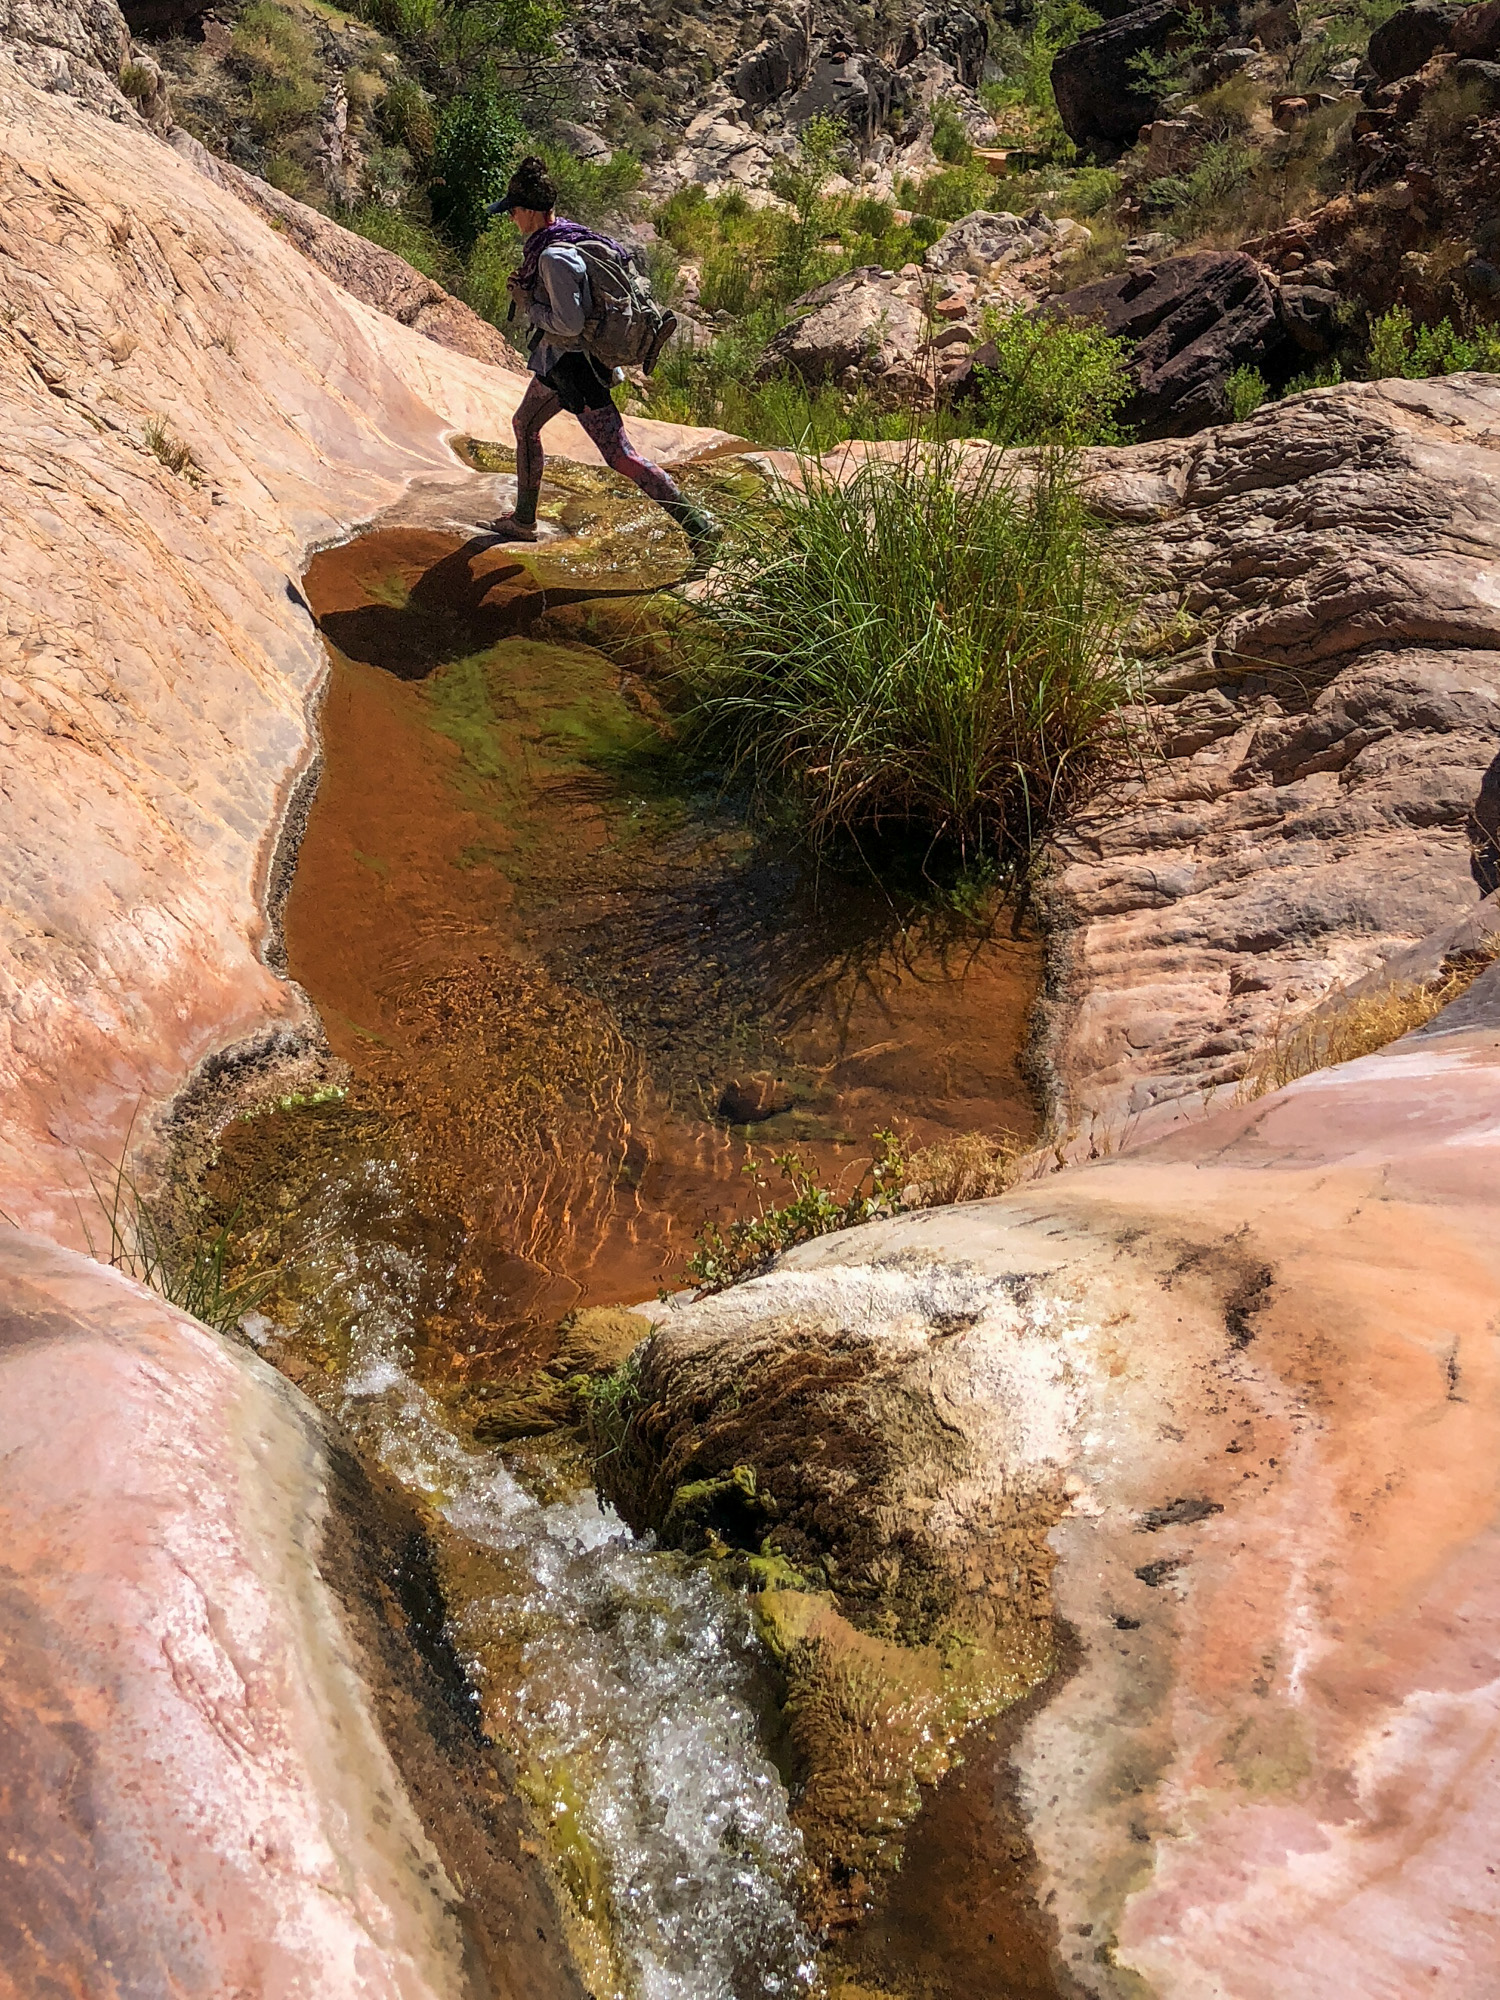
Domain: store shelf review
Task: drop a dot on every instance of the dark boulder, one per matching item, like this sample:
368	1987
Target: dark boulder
1192	321
1403	44
855	89
1309	313
748	1100
957	35
1476	32
779	63
1099	93
1482	81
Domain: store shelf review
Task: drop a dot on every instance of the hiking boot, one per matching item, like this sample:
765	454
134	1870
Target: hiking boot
703	534
509	529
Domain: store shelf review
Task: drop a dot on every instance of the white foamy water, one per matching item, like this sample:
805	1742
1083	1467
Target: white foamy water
624	1677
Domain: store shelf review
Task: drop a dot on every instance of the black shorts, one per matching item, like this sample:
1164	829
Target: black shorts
579	383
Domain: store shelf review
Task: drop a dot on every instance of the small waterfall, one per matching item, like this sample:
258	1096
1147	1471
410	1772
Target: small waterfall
624	1677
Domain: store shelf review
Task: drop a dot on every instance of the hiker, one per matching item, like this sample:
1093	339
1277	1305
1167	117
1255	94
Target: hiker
554	290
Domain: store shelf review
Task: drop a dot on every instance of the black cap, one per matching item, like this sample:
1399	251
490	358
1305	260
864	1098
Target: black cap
531	186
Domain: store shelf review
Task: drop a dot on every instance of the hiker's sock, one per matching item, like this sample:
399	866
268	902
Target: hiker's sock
524	513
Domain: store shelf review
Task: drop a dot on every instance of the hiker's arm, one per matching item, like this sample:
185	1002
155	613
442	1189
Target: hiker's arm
560	303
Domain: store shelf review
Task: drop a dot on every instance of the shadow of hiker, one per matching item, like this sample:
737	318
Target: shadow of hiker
463	604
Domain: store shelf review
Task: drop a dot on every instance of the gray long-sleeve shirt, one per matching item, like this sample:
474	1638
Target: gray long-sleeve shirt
560	304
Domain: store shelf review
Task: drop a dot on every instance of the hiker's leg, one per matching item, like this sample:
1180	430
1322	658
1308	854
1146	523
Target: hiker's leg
538	407
606	430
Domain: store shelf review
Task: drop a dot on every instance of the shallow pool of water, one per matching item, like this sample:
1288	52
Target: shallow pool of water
542	950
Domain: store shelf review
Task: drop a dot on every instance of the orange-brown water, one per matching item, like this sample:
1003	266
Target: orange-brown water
543	952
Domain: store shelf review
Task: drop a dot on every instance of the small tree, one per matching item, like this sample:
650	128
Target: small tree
800	183
479	138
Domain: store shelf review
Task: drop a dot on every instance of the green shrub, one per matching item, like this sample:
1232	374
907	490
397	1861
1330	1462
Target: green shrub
725	1257
1053	382
479	138
1213	184
950	195
136	81
1246	391
1398	347
592	190
1087	191
932	647
495	255
407	118
950	136
288	175
394	231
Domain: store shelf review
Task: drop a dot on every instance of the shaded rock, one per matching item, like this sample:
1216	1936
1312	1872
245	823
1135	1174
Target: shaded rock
1309	313
857	323
1409	39
780	60
1482	80
855	89
1476	32
1193	320
959	36
234	1737
1099	95
1484	831
749	1099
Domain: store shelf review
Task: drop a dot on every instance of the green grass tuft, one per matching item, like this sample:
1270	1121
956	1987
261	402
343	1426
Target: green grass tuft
933	648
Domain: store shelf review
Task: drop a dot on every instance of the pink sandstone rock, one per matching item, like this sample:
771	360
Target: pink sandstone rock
1251	1373
197	1795
158	666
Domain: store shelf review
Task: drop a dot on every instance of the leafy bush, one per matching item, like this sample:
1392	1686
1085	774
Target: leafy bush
1212	184
950	136
1246	391
397	232
933	646
479	138
726	1256
1023	97
1053	382
1398	347
950	195
407	118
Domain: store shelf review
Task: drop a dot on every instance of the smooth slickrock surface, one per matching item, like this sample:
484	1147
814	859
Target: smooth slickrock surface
157	662
1326	583
199	1792
1254	1366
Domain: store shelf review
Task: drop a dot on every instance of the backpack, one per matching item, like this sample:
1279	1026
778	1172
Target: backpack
625	328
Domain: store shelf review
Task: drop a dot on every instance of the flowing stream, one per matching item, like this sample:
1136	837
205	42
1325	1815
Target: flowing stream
541	955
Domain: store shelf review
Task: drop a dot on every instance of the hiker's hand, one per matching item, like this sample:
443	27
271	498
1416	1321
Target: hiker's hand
516	289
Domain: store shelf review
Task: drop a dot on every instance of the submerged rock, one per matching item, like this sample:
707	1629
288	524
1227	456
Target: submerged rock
748	1100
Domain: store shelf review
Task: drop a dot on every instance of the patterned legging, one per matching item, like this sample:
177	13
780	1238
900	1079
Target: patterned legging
605	430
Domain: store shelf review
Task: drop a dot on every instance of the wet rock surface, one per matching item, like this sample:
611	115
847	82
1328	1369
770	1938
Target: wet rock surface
1250	1369
239	1755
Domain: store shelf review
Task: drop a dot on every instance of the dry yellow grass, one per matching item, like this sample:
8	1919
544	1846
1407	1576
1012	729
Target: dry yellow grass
965	1168
1340	1030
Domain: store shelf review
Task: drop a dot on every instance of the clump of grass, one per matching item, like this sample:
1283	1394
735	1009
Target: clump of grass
1344	1029
971	1166
933	647
190	1269
173	453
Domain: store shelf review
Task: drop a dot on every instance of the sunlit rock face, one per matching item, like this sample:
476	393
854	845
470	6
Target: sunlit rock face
211	1743
189	406
1250	1373
1321	708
